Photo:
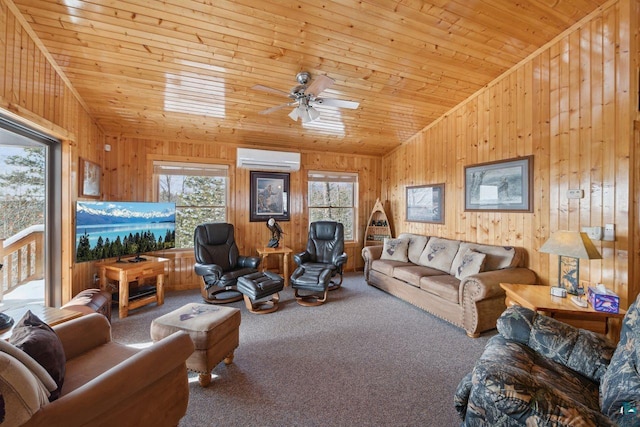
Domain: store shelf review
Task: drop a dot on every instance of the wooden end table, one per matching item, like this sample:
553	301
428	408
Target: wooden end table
127	272
539	299
50	315
284	253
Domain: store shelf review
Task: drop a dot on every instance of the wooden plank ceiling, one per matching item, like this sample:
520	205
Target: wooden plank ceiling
176	69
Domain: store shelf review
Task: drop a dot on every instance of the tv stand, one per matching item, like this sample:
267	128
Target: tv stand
126	273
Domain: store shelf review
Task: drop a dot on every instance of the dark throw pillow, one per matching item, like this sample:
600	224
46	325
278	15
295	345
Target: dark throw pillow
39	341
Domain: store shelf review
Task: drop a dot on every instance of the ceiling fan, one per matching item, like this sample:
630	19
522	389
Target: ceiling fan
305	96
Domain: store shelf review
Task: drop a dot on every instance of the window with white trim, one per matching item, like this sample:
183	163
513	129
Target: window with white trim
199	192
333	196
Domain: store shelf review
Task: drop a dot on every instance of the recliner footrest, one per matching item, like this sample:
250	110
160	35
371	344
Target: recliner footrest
260	285
313	279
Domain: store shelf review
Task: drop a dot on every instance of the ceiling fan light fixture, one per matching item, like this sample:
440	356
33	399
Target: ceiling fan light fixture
305	112
294	114
310	115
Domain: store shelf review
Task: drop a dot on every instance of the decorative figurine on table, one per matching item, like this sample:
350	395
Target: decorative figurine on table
276	232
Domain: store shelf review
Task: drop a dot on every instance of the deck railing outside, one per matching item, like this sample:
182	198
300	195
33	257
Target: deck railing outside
22	257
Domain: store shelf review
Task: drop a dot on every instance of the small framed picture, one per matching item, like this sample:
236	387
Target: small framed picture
505	185
90	178
269	196
425	203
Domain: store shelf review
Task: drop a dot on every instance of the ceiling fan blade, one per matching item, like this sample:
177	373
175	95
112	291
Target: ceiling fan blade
319	84
276	108
270	90
337	103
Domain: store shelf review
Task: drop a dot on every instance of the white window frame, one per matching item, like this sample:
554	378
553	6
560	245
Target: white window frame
183	168
336	176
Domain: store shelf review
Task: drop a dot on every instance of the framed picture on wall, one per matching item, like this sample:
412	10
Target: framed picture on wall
90	179
505	185
269	196
425	203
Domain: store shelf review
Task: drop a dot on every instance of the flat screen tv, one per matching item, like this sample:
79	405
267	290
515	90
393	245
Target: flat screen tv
118	229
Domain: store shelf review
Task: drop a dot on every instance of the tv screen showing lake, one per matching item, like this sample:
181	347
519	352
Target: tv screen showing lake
115	229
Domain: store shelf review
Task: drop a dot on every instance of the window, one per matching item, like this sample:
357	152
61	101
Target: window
199	192
332	196
30	221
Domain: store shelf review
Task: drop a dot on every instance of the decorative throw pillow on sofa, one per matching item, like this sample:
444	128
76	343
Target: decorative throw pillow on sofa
439	253
471	262
39	341
395	250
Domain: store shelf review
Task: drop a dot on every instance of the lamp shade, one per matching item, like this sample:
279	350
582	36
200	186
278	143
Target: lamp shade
572	244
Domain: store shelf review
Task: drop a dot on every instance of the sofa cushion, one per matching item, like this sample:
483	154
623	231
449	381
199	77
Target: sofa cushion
31	364
444	286
21	392
417	244
386	267
395	250
413	273
39	341
439	253
580	350
513	385
498	257
470	263
620	386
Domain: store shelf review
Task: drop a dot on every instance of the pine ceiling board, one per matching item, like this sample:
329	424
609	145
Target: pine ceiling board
450	70
437	32
365	29
407	62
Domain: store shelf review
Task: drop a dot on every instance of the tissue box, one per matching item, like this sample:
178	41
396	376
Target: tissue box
603	300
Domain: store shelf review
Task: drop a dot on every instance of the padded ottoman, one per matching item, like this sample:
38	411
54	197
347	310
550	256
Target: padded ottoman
314	279
261	285
91	301
214	330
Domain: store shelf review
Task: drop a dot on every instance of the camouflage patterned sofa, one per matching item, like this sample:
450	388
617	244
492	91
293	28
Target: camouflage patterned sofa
539	371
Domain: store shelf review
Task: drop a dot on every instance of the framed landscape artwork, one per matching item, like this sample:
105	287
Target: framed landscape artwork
90	175
505	185
269	196
425	203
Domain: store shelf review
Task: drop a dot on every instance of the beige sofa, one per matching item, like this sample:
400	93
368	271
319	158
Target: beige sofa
454	280
105	384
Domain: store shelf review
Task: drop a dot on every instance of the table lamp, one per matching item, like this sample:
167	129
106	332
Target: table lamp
570	246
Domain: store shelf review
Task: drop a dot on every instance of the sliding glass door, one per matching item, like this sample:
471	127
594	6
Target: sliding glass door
27	220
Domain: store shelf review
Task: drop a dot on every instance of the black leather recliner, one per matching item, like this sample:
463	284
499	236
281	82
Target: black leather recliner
325	249
219	263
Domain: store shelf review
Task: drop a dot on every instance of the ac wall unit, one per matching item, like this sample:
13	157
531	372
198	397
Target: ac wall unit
283	161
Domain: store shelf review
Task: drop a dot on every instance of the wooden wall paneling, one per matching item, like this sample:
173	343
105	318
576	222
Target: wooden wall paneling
634	247
584	134
3	48
609	120
34	94
624	134
569	107
249	235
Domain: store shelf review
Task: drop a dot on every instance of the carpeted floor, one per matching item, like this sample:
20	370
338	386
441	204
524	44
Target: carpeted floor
364	358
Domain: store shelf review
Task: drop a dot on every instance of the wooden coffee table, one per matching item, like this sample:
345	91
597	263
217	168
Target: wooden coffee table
539	299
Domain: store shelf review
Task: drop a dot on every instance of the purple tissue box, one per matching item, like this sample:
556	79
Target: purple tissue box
608	302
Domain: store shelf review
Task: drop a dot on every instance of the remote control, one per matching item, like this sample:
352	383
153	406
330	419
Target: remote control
579	302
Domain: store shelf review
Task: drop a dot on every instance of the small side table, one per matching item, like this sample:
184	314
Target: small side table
127	272
285	254
539	299
50	315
